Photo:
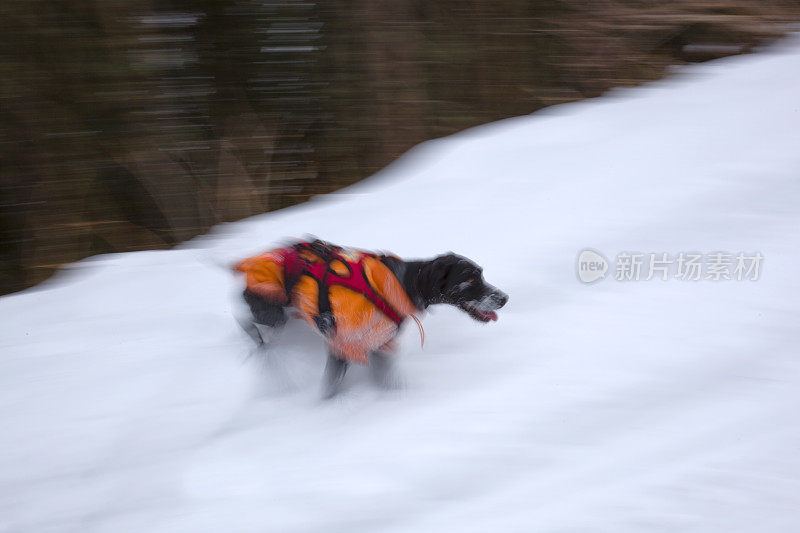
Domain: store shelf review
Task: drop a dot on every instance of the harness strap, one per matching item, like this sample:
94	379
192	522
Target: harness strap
296	266
367	290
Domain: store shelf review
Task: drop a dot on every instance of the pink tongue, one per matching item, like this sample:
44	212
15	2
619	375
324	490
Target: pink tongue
492	315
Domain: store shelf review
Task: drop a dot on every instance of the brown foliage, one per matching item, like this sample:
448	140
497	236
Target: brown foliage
131	125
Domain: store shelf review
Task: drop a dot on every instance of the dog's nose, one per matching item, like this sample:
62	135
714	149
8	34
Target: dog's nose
501	298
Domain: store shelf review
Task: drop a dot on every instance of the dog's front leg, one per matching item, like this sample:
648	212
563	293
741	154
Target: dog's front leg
383	371
335	370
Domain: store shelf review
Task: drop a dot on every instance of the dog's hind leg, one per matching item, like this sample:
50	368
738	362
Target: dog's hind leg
249	327
268	319
335	370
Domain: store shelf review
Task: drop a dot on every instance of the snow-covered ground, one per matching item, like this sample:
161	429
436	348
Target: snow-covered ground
128	402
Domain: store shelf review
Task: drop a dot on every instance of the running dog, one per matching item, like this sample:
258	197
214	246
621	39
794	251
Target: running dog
357	300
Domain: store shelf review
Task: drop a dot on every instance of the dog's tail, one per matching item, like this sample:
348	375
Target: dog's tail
227	265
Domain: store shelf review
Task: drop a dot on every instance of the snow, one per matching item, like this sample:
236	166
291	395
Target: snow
128	401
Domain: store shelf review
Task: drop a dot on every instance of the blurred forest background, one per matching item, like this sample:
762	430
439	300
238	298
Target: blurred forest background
128	125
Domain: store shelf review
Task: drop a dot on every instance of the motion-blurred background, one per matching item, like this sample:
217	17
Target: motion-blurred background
128	125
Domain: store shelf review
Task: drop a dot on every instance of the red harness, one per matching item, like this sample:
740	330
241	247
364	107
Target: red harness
295	266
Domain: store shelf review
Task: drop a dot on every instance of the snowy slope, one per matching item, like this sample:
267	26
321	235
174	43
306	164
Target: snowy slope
128	403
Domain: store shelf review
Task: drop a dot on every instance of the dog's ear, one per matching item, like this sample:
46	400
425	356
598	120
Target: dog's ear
433	278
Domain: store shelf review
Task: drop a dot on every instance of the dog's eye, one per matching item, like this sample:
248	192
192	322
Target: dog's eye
471	281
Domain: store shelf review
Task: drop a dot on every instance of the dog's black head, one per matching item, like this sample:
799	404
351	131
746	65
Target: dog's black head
457	281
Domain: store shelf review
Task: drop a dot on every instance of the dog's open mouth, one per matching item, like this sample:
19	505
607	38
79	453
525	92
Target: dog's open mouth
480	315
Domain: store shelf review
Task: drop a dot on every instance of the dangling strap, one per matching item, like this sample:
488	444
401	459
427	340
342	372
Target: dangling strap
421	331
